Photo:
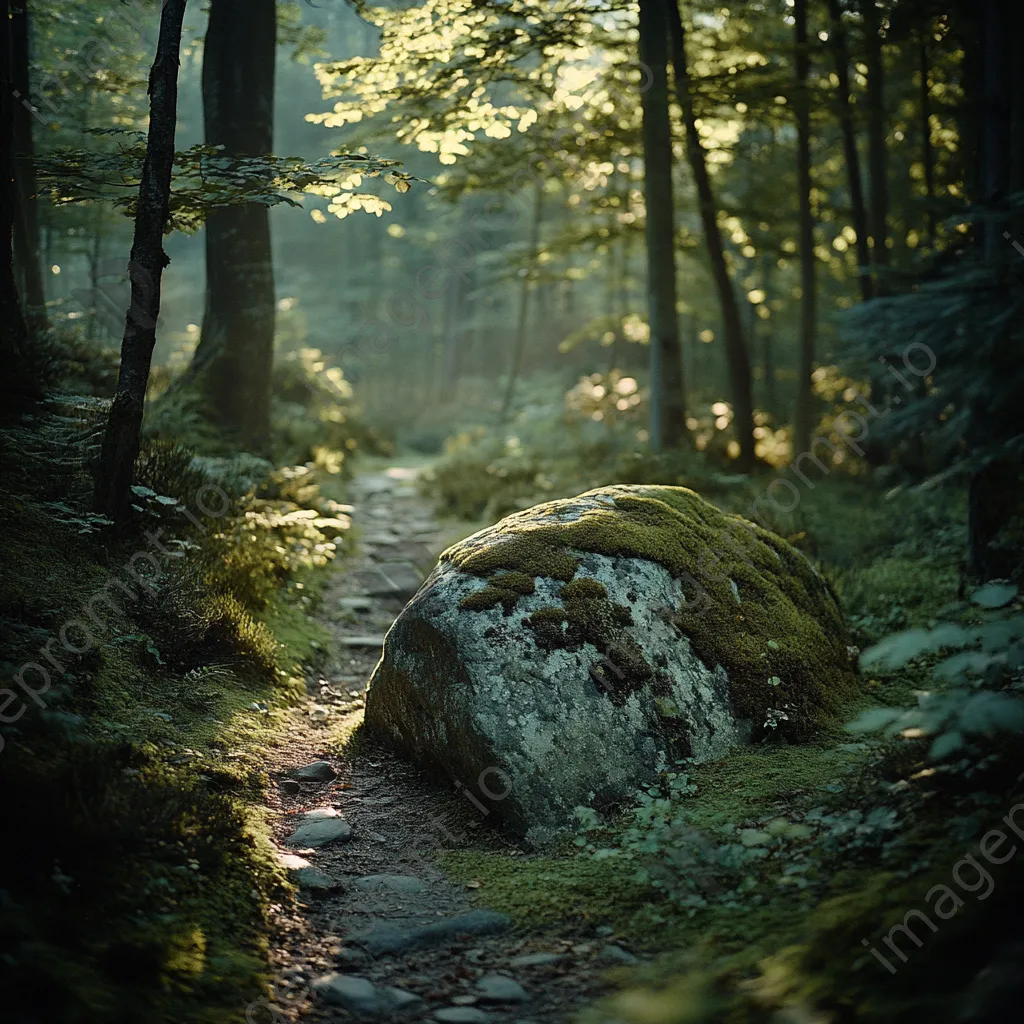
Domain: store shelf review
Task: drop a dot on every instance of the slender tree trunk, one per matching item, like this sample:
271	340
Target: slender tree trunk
859	216
927	149
234	360
737	357
768	338
26	228
668	399
994	490
148	259
523	314
878	162
804	412
17	385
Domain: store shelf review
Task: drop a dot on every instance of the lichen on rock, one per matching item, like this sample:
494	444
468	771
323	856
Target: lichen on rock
580	645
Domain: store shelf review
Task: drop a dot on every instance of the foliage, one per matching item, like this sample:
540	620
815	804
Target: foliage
204	179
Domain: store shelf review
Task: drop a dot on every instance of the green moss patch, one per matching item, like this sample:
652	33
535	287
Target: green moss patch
753	604
504	588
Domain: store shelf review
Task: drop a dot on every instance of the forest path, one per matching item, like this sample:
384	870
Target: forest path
356	948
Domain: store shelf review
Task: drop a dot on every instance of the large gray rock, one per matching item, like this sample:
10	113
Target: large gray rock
566	655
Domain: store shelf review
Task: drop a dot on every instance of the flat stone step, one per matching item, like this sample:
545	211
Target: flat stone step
319	827
384	938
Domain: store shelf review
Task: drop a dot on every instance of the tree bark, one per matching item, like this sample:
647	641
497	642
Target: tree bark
668	399
15	380
858	209
148	259
233	363
994	489
737	357
927	149
804	411
878	162
523	314
26	228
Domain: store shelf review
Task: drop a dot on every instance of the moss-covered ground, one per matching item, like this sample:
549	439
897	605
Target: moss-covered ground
137	872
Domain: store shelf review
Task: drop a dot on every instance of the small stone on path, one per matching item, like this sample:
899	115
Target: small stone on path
320	827
318	771
361	641
290	787
386	937
618	955
306	876
360	996
536	960
396	883
461	1015
497	988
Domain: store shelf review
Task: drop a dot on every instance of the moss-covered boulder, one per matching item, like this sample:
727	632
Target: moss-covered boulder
565	655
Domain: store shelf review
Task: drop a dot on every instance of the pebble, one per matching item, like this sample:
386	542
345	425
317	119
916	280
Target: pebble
536	960
386	937
497	988
361	996
461	1015
290	787
306	876
320	827
318	771
396	883
618	955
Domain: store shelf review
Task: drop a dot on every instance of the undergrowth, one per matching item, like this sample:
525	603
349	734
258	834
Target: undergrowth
138	876
758	885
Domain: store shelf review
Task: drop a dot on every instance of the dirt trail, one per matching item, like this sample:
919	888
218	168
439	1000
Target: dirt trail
354	924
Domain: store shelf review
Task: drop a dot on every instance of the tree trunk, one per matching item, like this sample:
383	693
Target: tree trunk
523	315
927	149
994	489
15	380
26	228
859	216
737	357
148	259
768	338
804	411
878	163
234	361
668	399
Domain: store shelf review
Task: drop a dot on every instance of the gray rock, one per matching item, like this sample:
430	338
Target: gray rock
391	579
355	604
308	877
290	787
497	988
386	937
548	711
536	960
399	999
318	771
361	641
361	996
405	884
357	995
461	1015
617	955
320	827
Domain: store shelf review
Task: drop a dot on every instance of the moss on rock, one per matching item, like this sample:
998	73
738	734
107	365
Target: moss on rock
503	588
752	603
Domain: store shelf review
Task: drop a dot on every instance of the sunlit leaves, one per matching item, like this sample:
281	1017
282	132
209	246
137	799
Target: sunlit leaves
205	178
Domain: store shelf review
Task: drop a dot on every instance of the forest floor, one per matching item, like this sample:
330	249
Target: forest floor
373	903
